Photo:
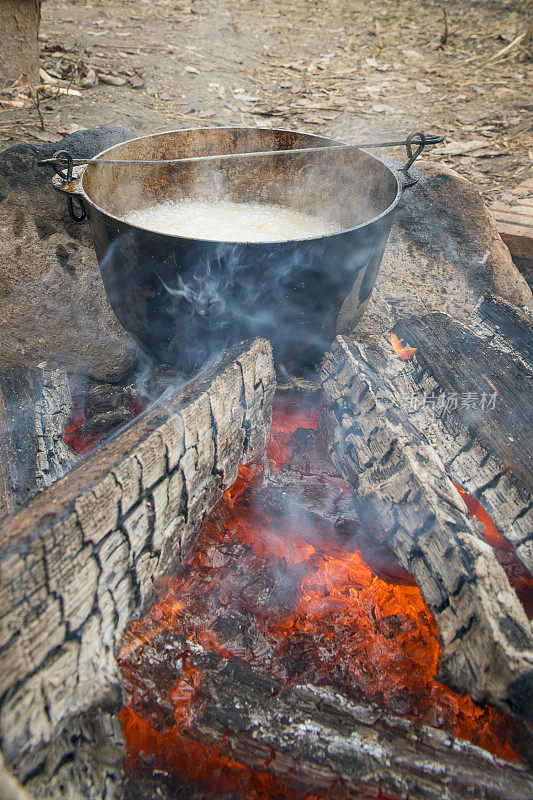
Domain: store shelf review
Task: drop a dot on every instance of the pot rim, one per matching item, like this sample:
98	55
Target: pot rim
400	186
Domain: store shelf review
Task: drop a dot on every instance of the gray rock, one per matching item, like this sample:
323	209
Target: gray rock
53	305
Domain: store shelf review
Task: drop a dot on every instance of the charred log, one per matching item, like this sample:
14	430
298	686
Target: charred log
511	323
78	562
35	405
317	739
461	362
402	485
83	761
475	447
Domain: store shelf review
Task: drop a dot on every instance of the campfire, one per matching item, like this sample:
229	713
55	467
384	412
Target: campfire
281	578
252	581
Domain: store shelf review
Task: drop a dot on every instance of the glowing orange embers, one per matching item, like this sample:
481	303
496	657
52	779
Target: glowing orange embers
274	581
86	432
402	352
518	575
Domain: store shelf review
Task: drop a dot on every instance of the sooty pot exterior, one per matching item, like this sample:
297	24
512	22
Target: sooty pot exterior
186	299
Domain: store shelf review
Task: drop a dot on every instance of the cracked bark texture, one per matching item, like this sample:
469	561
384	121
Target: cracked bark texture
84	761
320	740
35	406
488	452
401	484
80	560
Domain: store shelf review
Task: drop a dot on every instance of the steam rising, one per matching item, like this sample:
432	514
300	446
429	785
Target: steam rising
186	300
275	243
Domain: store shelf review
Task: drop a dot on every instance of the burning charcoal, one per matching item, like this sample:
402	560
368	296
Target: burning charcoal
401	703
286	589
239	634
105	397
156	378
299	657
311	481
394	624
150	673
102	424
100	409
308	737
158	785
305	502
231	625
404	487
308	456
214	557
279	596
375	549
248	587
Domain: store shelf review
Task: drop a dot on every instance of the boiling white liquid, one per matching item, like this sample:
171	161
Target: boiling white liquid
230	222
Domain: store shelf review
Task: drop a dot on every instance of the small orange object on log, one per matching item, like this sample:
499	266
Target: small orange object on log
402	352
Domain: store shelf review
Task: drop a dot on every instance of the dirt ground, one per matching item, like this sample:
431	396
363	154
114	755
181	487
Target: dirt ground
344	68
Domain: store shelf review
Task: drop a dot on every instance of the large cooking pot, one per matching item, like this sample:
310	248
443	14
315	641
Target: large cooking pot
185	299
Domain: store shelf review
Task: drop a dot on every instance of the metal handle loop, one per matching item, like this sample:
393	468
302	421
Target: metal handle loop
421	143
419	139
61	161
62	156
70	205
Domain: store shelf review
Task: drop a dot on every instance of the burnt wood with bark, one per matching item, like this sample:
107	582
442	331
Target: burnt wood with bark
462	363
80	560
318	739
513	326
35	406
463	438
401	484
83	761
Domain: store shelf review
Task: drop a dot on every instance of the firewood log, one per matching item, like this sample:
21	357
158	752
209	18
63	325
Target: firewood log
35	405
401	484
80	560
487	450
316	739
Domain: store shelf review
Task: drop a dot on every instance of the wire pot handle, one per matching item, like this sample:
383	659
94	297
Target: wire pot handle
63	162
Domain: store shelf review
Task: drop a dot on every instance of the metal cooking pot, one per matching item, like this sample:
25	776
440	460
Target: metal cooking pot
185	299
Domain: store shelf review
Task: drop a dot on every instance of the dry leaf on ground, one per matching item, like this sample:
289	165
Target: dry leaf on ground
113	80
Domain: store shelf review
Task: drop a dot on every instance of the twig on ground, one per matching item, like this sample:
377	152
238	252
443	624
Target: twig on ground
35	94
504	51
377	33
444	37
